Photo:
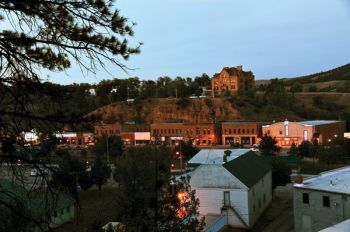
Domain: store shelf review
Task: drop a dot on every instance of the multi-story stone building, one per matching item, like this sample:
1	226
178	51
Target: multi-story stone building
202	134
324	131
322	201
241	132
232	80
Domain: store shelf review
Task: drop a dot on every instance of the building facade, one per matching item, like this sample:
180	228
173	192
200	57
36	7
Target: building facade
244	133
130	133
232	80
324	131
238	187
202	134
322	201
118	128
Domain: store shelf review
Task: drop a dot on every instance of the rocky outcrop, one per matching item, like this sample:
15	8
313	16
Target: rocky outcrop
170	110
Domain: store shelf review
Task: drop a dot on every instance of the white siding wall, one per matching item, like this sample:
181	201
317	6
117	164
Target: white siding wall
211	202
256	194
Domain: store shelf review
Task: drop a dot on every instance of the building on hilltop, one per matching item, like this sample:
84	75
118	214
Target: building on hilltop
322	201
233	189
232	80
324	131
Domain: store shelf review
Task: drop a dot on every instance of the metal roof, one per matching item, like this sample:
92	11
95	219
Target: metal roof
332	181
215	156
317	122
343	226
244	164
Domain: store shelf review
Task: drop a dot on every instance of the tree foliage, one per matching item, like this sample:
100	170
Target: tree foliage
108	145
267	145
280	173
146	200
100	172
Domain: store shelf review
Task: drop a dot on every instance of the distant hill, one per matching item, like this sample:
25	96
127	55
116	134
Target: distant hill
334	80
336	74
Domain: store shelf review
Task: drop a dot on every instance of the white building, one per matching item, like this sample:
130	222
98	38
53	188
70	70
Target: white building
322	201
237	191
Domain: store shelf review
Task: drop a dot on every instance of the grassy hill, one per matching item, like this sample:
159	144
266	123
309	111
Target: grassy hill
334	80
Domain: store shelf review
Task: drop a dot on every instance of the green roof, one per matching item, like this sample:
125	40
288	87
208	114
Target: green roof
248	168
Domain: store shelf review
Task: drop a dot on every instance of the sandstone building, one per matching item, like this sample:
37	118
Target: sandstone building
232	80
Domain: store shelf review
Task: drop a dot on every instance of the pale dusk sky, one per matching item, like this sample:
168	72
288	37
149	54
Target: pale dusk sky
272	38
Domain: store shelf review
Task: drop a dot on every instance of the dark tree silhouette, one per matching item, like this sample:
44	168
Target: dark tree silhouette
50	35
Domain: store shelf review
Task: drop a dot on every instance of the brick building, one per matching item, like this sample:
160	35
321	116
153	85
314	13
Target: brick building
245	133
232	80
118	128
202	134
130	133
324	131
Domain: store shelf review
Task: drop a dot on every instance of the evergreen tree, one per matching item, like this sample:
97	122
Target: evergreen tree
100	172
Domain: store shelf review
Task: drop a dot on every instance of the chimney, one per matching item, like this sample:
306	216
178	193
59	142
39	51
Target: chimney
298	179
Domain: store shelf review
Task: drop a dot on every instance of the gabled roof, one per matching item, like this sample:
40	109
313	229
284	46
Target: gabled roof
214	156
248	168
244	164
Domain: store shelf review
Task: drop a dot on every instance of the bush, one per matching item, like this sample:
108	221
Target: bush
183	103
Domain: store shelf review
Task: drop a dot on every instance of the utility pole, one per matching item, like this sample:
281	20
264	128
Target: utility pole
107	138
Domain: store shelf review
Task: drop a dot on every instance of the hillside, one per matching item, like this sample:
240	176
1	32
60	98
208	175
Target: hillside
336	79
170	110
306	106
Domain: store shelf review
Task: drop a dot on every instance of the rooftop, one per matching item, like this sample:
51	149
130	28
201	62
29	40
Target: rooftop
332	181
215	156
317	122
343	226
244	164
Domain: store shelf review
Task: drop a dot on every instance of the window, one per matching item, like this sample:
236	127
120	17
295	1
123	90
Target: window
252	131
281	132
204	132
226	198
247	131
204	142
305	135
225	131
305	198
234	131
239	131
243	131
326	202
229	131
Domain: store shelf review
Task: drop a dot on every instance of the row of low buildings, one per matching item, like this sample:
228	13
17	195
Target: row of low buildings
226	133
246	133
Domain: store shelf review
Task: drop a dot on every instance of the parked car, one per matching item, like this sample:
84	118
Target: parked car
39	171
